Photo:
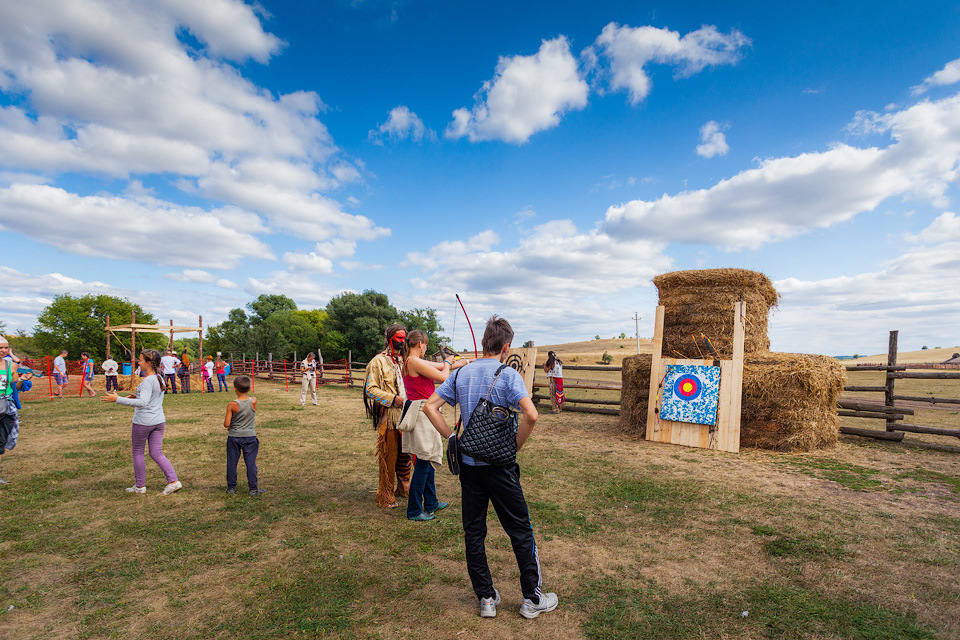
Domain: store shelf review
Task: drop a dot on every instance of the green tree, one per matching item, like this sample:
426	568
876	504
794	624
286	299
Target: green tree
232	335
362	318
268	304
77	324
297	330
425	320
334	346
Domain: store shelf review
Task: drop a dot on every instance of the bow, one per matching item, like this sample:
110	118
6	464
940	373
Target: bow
475	352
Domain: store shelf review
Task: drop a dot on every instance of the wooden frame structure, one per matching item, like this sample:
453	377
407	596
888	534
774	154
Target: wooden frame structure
724	434
133	329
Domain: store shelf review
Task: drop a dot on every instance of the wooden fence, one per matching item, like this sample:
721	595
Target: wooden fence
892	414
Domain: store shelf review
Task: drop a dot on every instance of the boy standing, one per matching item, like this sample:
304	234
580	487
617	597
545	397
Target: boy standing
242	436
482	483
110	367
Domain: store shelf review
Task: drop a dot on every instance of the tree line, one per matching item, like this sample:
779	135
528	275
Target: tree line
270	324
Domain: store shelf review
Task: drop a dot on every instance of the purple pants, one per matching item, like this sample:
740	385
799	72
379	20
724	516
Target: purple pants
153	434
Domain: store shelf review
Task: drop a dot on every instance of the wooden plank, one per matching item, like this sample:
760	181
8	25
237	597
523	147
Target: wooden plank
874	415
591	367
936	431
856	405
524	361
877	367
538	396
925	375
656	375
851	387
603	410
872	433
928	399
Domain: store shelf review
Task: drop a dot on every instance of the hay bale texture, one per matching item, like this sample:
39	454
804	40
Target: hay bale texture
704	299
635	393
790	401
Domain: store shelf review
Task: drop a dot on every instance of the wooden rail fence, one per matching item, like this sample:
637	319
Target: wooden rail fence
889	411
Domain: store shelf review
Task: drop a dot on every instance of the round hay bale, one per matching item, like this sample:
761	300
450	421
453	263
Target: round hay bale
703	300
790	401
634	394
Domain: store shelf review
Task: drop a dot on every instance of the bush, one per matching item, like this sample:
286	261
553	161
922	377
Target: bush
606	357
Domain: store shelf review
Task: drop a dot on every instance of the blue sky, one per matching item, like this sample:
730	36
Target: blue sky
543	160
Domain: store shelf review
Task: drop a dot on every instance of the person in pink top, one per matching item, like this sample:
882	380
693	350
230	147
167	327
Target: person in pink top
419	379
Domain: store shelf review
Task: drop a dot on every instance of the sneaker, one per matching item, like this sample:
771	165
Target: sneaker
136	489
440	507
232	491
257	492
2	481
422	516
488	606
173	487
548	602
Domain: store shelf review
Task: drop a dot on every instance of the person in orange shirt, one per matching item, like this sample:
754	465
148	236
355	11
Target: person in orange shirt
184	372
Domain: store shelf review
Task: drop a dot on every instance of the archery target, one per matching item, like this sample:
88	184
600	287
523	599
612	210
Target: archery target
691	393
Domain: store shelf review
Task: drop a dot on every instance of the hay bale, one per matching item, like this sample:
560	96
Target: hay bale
790	401
634	394
703	300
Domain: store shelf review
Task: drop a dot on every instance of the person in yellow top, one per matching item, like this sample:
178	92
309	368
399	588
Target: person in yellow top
383	396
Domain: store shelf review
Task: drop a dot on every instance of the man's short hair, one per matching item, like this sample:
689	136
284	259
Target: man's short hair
497	334
63	351
241	384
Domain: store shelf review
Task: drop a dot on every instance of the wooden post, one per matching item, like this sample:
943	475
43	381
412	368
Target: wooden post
891	361
203	385
170	345
133	350
349	368
108	337
286	383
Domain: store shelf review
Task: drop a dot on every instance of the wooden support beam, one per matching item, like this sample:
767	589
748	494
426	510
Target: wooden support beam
936	431
856	405
878	415
852	387
538	396
928	399
573	385
872	433
877	367
891	362
925	375
608	412
591	367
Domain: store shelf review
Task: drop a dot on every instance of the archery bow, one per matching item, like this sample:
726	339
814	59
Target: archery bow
469	324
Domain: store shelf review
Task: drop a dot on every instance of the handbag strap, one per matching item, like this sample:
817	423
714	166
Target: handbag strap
496	376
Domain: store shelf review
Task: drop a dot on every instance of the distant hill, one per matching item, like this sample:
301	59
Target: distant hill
924	355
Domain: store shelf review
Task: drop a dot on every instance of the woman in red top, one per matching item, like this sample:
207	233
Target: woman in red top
419	378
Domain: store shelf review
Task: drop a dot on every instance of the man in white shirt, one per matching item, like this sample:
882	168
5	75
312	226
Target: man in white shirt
168	365
309	370
110	367
60	373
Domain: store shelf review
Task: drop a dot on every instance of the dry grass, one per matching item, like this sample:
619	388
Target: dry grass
638	539
906	357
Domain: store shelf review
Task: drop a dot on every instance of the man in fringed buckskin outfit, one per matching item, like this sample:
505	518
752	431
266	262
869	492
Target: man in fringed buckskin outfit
383	396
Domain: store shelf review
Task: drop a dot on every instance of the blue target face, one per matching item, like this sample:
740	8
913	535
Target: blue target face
687	387
690	394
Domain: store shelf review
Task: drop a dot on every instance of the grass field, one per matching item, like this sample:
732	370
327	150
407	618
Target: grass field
639	540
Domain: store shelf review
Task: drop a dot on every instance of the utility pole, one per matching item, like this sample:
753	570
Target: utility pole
636	320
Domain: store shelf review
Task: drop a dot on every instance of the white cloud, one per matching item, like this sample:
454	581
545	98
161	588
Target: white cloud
119	228
854	313
713	142
402	124
50	284
192	275
527	94
950	74
110	89
630	49
784	197
300	287
223	283
307	262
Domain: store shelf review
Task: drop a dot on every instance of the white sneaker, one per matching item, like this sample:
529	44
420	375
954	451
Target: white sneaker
136	489
548	602
488	606
173	487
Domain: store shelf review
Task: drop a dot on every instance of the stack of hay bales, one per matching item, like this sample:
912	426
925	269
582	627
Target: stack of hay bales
635	394
789	400
702	301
